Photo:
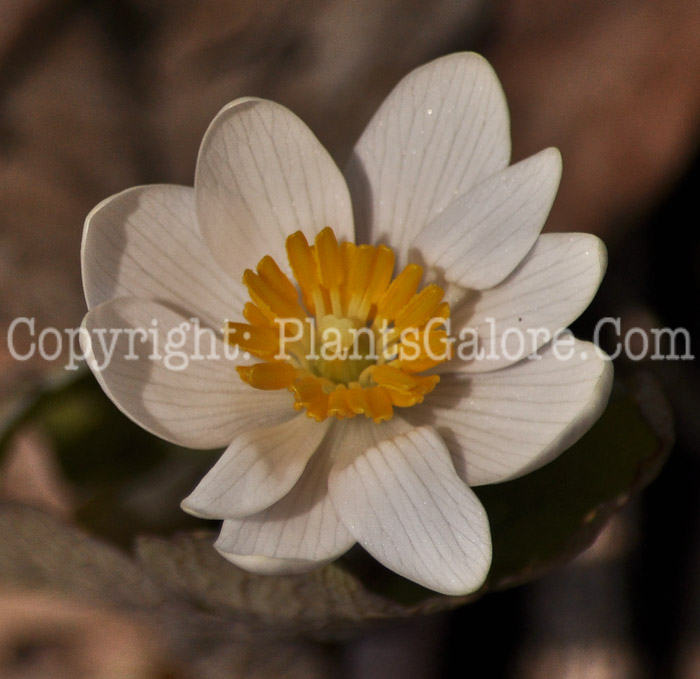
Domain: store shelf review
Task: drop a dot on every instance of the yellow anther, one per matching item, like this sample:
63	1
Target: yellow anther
268	376
404	399
426	383
254	316
338	403
420	309
359	279
402	288
347	255
270	272
395	378
336	364
425	351
301	259
271	301
361	269
328	259
443	311
261	342
382	272
379	403
309	393
357	400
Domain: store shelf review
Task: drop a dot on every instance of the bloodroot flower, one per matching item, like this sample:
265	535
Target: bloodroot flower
368	346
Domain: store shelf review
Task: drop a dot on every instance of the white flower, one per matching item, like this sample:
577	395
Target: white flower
303	478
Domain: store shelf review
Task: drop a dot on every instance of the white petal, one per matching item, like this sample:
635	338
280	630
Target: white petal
506	423
550	289
441	131
266	566
262	175
135	349
484	234
407	507
145	242
303	525
257	469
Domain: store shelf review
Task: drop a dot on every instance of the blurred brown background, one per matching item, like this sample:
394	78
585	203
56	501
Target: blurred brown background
99	96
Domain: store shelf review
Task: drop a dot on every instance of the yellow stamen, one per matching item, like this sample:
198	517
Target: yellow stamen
354	341
254	316
261	342
338	403
356	400
301	259
359	279
330	271
381	276
270	272
268	376
420	309
394	378
271	301
402	288
433	348
380	404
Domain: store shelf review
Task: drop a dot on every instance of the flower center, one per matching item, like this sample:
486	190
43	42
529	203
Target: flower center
347	339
